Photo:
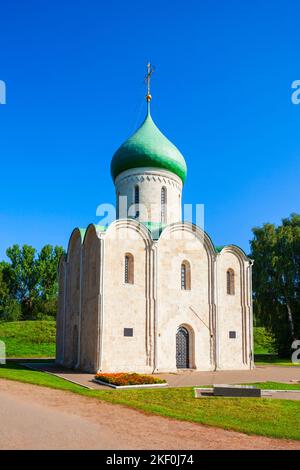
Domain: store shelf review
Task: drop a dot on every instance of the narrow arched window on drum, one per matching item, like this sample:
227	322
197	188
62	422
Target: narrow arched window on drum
185	275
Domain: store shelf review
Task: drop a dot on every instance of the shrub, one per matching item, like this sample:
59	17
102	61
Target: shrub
11	311
264	340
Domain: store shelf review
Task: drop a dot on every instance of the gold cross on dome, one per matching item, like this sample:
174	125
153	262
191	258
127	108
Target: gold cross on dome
150	70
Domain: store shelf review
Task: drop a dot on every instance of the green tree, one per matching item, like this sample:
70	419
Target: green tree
23	277
29	281
47	263
276	280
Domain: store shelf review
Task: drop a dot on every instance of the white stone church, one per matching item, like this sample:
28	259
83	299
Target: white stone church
151	293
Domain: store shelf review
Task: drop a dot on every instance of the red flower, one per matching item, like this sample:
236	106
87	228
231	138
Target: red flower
125	378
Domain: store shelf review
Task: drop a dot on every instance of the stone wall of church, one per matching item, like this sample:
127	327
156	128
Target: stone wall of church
89	331
177	307
234	329
126	306
150	182
108	324
73	301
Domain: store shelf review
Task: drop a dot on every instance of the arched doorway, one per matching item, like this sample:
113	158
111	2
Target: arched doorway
182	348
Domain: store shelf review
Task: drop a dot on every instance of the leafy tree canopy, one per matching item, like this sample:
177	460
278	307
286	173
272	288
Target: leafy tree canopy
276	279
28	282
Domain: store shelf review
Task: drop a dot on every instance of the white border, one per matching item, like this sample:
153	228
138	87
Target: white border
123	387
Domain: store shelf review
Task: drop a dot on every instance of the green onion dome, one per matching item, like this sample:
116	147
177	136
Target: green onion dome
148	147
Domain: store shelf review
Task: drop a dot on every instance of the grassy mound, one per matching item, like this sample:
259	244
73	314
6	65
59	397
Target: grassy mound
28	338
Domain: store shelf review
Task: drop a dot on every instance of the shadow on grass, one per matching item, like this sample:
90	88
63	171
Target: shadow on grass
273	359
42	365
14	360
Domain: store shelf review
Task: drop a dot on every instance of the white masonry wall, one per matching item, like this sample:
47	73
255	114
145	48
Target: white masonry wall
150	182
188	308
93	313
234	312
126	305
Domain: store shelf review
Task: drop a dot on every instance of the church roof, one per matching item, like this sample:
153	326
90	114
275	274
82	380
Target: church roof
148	147
155	228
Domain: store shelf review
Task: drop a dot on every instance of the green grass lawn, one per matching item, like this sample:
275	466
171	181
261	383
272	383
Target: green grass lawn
273	418
276	386
28	338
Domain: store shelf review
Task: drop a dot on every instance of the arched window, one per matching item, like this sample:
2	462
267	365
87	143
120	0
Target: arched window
118	205
230	281
163	202
137	199
128	269
185	275
136	194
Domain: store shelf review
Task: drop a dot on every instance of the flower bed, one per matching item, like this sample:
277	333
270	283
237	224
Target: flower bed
122	379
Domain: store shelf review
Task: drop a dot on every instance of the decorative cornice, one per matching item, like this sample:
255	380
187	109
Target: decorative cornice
142	175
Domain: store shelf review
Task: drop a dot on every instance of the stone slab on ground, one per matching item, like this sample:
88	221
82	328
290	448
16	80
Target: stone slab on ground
259	374
275	394
224	390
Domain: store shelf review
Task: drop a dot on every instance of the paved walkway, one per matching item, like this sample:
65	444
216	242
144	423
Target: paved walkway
35	417
259	374
189	378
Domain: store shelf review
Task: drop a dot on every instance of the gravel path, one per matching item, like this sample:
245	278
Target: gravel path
35	417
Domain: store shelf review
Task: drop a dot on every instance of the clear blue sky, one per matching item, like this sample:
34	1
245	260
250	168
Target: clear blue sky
221	92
